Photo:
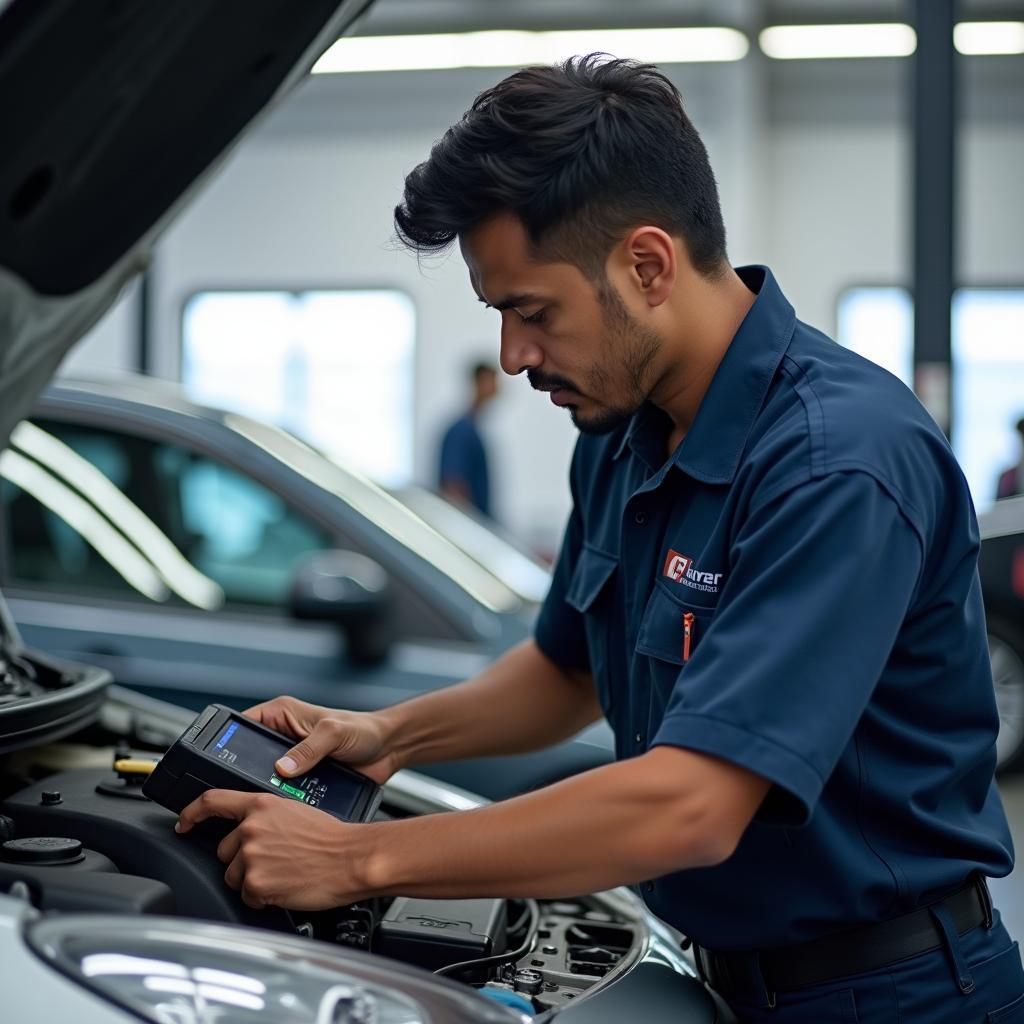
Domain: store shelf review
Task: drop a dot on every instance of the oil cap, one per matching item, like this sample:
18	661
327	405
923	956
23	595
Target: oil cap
42	850
529	981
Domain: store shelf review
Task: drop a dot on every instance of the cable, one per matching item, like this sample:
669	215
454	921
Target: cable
533	910
521	920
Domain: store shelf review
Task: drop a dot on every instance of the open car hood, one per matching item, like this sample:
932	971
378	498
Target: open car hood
111	115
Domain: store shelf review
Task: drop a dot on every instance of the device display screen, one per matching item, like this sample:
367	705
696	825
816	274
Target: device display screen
253	753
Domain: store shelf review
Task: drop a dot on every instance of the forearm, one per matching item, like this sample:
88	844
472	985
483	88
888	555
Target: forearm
613	825
522	702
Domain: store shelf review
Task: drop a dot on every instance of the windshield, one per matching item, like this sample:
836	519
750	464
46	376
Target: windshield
383	510
517	568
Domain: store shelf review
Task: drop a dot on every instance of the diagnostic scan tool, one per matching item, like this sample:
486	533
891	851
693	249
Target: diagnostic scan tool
222	749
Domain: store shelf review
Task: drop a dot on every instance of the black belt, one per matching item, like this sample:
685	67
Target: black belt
841	954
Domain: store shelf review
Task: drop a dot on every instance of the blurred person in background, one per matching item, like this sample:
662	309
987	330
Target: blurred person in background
1011	481
463	476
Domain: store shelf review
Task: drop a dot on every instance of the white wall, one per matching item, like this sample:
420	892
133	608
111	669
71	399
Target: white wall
318	213
111	345
820	196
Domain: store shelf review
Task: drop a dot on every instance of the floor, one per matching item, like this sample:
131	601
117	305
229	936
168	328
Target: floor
1008	893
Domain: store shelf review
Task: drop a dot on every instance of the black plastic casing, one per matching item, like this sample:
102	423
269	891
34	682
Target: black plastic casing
187	770
439	933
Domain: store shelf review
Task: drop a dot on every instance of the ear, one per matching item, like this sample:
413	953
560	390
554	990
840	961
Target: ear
653	263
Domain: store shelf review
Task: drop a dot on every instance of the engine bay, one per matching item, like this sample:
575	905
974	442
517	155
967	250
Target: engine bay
86	840
77	834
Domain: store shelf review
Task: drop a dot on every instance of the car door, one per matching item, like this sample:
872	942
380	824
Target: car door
168	567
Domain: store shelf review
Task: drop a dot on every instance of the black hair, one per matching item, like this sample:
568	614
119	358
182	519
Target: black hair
580	152
478	369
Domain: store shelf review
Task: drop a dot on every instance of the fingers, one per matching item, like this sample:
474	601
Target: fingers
216	803
229	846
323	740
256	712
235	878
274	712
235	874
250	899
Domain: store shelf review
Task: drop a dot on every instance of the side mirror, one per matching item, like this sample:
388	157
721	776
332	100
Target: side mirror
353	592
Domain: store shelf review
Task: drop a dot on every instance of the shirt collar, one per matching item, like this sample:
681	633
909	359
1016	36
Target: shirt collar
712	447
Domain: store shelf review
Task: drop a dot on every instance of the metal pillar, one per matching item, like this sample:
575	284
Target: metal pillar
143	339
934	182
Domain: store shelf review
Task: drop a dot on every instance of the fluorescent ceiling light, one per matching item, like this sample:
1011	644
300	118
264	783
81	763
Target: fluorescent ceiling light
504	49
816	42
984	38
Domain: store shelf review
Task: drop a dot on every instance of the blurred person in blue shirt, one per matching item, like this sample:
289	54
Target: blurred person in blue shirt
1011	481
463	476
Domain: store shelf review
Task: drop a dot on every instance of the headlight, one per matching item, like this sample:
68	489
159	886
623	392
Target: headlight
172	971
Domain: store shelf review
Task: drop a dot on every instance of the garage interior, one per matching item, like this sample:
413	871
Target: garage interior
873	163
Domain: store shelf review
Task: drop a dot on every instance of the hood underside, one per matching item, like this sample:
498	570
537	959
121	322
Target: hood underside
111	114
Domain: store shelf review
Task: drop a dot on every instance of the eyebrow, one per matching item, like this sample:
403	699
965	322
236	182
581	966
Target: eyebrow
511	302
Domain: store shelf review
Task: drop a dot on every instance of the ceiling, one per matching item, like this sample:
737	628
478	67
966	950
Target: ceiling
409	16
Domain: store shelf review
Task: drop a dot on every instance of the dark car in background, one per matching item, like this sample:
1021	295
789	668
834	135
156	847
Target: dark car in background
200	556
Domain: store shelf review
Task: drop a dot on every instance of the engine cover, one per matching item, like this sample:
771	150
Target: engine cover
139	837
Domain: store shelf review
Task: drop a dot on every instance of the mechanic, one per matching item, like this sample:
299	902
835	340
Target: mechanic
768	586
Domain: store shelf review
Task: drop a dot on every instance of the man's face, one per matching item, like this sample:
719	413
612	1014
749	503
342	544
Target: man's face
578	343
486	386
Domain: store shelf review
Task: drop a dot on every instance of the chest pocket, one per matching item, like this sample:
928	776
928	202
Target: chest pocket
590	592
665	646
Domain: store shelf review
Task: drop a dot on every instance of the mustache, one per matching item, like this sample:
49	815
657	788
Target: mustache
549	382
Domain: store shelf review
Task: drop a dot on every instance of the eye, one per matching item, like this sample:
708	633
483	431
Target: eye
533	318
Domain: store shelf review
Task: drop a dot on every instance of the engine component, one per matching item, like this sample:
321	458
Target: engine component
507	997
138	836
529	981
130	773
42	698
439	933
595	949
43	850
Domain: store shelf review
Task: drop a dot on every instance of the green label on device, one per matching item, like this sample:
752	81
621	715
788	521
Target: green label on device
299	794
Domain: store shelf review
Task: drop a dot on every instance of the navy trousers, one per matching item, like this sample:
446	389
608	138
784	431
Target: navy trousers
976	979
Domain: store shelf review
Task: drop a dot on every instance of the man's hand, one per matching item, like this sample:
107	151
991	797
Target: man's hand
359	739
664	811
282	852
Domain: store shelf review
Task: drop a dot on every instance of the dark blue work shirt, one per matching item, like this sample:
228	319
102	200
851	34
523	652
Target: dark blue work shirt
464	461
794	590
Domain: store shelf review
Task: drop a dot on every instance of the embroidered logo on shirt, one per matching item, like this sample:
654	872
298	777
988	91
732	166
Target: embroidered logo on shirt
679	568
676	565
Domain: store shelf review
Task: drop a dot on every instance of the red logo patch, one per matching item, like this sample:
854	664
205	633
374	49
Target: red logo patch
676	565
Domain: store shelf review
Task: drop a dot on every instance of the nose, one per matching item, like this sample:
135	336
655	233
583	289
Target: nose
519	352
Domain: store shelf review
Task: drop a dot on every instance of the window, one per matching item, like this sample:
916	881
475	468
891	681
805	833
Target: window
878	323
988	367
333	367
93	511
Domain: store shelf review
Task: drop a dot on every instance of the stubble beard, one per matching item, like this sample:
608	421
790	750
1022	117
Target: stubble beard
633	376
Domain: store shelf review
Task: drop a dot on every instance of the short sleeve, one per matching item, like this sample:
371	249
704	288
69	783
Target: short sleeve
820	582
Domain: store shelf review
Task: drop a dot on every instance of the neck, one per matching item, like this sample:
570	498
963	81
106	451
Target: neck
694	357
